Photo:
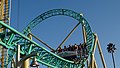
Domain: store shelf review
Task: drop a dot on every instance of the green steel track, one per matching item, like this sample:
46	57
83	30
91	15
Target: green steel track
12	37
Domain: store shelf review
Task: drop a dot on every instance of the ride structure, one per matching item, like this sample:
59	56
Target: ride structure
21	44
5	17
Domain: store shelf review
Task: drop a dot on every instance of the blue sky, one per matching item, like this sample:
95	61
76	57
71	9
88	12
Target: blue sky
102	15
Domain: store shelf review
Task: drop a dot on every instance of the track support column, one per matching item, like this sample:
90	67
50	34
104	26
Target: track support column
100	51
26	62
18	56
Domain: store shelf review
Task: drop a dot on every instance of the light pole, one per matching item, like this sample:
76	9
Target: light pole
111	49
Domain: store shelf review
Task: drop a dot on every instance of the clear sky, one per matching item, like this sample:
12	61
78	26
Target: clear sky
102	15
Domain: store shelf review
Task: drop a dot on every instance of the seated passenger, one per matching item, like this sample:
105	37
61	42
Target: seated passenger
73	47
85	51
70	48
76	47
65	48
59	50
80	53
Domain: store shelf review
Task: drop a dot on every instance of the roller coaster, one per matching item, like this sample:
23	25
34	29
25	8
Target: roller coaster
15	43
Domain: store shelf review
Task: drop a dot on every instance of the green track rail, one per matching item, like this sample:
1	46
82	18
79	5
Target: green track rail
11	38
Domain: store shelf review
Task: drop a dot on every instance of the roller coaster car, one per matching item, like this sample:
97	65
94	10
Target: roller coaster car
69	55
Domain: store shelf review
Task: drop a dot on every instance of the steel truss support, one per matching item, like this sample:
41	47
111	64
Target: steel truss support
68	35
26	62
92	63
42	42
